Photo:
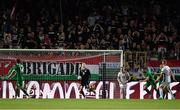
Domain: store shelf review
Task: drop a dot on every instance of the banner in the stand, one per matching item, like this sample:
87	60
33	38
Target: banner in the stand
70	89
58	69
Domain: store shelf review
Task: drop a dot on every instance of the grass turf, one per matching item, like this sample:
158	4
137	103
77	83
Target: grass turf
91	104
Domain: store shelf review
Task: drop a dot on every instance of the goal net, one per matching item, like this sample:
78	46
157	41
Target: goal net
49	65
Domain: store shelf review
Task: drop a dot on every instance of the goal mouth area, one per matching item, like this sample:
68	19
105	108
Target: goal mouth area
62	67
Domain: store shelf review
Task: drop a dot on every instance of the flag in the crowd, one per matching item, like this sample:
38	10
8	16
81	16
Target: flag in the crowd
13	9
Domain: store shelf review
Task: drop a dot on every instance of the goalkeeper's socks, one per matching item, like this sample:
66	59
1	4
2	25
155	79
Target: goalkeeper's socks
81	92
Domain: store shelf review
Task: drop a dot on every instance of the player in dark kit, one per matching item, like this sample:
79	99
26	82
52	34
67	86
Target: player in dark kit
84	77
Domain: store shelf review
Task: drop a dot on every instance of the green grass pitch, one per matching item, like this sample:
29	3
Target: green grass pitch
88	104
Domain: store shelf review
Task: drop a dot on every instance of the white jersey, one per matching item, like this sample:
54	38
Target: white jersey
167	74
123	78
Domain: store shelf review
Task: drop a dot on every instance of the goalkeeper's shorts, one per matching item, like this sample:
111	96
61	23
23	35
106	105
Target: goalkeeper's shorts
84	83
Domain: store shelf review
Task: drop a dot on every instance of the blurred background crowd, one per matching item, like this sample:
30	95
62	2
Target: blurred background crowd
131	25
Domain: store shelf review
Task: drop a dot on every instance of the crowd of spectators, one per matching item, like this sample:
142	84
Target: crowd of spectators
131	25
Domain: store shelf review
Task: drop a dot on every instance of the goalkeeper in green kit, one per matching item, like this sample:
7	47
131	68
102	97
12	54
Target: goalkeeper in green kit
16	71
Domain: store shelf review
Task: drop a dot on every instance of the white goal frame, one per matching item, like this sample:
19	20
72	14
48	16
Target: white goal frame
72	50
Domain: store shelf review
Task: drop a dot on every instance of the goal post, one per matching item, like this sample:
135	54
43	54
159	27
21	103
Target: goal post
63	65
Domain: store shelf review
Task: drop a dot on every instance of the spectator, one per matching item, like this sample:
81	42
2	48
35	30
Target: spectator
7	40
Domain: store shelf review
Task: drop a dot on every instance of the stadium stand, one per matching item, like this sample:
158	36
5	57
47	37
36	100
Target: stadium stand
147	25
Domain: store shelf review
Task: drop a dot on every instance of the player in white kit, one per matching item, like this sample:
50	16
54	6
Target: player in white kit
123	78
165	77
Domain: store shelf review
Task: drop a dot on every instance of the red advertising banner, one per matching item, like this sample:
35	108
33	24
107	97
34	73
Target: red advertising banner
70	89
171	63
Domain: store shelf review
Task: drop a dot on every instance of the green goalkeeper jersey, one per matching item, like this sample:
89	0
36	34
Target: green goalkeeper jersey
17	69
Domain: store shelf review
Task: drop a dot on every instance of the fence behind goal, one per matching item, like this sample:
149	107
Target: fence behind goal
53	73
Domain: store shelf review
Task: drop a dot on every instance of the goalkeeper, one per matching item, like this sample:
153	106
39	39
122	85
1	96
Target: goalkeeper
85	77
16	71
